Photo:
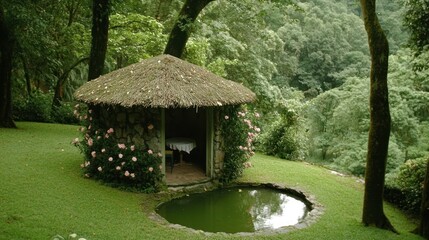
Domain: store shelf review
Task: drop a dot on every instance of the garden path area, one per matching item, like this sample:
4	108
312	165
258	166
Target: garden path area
43	194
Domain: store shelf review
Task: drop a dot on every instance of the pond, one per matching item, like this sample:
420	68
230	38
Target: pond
236	209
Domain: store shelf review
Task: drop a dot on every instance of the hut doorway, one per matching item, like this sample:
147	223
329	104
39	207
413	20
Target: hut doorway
186	134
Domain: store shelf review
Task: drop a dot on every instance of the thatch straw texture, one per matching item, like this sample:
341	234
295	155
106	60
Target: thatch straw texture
163	82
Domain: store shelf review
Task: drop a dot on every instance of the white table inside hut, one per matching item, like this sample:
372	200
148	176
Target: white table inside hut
181	144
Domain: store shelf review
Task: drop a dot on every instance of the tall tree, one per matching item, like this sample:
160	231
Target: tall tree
180	33
6	57
379	132
100	29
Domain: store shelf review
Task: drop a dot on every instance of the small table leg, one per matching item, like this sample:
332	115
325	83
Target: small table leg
181	157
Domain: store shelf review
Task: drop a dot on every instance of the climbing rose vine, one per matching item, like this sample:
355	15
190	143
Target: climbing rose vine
239	133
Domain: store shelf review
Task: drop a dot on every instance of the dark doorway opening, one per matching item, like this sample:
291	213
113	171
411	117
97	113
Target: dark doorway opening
187	124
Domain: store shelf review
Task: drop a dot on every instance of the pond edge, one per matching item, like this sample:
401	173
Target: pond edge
314	213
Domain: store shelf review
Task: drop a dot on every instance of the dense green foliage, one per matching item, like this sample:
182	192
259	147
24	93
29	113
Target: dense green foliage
404	186
43	194
38	108
417	20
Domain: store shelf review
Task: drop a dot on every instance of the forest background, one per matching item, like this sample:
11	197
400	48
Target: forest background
308	62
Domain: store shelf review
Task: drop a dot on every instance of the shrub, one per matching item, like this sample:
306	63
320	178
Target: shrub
64	114
280	139
116	163
36	108
236	124
405	185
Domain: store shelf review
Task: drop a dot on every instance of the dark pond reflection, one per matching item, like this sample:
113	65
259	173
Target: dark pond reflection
231	210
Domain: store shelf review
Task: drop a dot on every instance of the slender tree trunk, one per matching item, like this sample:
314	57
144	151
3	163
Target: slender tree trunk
100	29
26	75
180	33
423	228
58	91
379	131
6	57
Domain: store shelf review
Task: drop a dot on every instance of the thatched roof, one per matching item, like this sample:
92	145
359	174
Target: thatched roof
163	82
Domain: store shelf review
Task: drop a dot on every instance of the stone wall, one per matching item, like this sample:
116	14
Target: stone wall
218	153
138	126
142	127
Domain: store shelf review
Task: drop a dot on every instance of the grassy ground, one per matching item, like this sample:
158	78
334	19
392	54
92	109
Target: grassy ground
42	194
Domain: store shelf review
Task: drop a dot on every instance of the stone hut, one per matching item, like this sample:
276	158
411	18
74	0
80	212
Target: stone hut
162	98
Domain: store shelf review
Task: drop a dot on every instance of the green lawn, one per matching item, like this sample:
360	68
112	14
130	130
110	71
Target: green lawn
42	194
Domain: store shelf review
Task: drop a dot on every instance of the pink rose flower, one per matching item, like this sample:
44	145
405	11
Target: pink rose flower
150	151
150	169
93	154
103	150
226	117
120	155
134	159
110	130
132	175
110	159
150	126
100	169
159	154
133	148
121	146
127	173
118	168
90	142
122	163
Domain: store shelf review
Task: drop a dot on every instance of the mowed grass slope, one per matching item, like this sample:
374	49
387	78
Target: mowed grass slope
43	194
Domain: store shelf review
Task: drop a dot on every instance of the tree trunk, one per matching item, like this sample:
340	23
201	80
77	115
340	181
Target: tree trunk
6	57
58	91
423	228
180	33
26	75
99	33
379	131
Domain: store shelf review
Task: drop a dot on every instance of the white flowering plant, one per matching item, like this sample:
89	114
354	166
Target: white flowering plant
117	164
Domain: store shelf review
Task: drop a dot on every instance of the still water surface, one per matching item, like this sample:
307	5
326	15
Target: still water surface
232	210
